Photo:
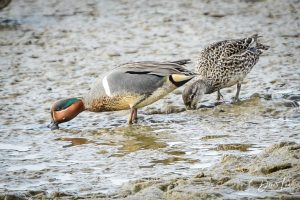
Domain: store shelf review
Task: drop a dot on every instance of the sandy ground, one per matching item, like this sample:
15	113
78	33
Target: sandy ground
55	49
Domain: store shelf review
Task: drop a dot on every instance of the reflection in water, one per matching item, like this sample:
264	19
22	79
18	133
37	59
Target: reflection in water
139	138
74	141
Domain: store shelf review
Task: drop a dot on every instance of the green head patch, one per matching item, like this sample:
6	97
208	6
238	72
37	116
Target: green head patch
65	103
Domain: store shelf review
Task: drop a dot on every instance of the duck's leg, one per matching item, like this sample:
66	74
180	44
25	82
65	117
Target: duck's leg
220	96
135	119
238	88
131	116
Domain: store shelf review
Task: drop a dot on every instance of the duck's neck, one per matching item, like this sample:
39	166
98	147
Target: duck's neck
203	86
103	103
193	93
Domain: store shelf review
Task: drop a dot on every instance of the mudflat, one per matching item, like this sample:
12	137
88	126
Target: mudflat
57	49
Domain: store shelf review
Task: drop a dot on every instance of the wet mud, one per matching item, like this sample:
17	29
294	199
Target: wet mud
57	49
271	173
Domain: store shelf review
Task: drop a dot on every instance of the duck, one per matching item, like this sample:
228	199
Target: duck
223	64
129	86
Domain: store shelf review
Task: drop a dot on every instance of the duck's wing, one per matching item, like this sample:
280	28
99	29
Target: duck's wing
142	77
156	68
182	62
240	61
211	56
228	48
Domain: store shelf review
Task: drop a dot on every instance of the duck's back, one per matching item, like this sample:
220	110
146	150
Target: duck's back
211	55
119	82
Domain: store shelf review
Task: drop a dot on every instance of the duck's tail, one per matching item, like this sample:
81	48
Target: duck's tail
254	42
262	46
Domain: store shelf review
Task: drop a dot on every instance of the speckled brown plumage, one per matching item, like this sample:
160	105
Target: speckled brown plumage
223	64
227	62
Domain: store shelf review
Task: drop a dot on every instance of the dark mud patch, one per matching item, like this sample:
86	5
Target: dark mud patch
173	160
288	104
212	137
275	168
9	24
43	195
176	153
292	97
12	197
229	147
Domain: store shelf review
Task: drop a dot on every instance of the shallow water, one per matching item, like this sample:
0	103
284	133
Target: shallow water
57	50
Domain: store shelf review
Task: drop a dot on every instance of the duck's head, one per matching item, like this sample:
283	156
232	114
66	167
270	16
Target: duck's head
64	110
193	93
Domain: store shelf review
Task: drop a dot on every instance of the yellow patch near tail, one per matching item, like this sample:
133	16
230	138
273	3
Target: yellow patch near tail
180	77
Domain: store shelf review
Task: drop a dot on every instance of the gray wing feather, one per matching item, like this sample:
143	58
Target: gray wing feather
155	68
120	82
143	77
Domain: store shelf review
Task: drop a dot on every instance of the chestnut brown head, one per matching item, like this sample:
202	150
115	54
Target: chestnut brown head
64	110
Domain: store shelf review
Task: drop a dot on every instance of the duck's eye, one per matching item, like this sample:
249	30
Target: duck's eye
192	96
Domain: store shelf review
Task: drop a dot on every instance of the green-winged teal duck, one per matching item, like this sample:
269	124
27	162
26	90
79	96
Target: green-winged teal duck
129	86
223	64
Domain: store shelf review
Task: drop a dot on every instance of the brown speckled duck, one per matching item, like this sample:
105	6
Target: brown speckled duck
130	86
223	64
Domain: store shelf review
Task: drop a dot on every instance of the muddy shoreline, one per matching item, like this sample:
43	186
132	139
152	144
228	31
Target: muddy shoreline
272	174
56	49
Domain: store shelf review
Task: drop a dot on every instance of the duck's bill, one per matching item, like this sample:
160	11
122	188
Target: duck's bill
53	125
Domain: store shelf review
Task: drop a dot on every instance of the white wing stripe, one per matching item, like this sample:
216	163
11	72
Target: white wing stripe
106	86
